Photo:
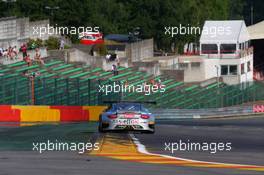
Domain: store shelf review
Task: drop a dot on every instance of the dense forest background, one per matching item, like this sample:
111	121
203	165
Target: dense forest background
121	16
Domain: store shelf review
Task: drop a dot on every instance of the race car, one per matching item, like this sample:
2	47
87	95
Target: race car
128	117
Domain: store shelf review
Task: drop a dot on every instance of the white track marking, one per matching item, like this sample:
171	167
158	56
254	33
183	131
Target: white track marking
142	149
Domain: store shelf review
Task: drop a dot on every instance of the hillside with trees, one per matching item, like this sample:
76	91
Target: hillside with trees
121	16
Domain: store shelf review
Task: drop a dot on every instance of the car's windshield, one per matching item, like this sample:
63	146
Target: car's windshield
127	107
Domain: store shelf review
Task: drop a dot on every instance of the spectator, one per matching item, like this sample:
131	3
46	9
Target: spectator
159	82
28	60
112	57
114	70
9	53
1	51
62	43
24	50
145	87
152	82
15	51
107	57
117	61
5	54
37	57
126	83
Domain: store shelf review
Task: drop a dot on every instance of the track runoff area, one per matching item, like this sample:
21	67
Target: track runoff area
197	146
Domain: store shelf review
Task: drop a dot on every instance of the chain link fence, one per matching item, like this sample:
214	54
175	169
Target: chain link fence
19	90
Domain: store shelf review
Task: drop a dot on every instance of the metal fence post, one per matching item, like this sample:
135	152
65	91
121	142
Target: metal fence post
55	92
89	91
15	91
78	91
98	93
44	92
67	91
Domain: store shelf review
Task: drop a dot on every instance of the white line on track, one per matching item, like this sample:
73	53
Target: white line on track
142	149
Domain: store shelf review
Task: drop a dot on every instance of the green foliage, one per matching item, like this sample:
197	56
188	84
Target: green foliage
32	44
116	16
52	43
101	49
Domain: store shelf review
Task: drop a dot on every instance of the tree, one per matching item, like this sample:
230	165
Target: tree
118	16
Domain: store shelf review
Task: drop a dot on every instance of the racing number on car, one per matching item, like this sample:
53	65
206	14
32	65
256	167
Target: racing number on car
126	122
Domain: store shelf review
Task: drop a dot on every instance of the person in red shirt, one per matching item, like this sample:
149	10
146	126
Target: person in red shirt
24	50
27	60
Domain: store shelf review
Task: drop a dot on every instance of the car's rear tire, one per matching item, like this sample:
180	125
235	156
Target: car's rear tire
152	132
149	131
100	127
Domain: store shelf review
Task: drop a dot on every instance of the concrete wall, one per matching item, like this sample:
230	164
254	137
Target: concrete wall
210	69
194	74
38	25
149	67
140	50
13	31
178	75
76	55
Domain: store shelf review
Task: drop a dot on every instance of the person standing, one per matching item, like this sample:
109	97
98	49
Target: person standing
62	44
117	60
114	70
1	51
15	51
24	50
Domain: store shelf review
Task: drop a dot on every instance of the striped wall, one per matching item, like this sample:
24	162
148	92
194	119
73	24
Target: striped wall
15	113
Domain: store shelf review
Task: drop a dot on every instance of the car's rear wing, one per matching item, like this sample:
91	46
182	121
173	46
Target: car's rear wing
129	101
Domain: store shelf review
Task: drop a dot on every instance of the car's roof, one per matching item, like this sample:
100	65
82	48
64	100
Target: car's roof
127	103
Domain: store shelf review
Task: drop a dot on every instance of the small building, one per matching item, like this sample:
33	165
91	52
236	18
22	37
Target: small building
225	46
256	33
224	53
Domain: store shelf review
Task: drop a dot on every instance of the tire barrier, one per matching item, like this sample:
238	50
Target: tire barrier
16	113
258	108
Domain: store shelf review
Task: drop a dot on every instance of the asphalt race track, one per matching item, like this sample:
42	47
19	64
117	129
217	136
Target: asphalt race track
123	153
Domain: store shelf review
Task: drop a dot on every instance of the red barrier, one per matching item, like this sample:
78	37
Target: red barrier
7	114
72	113
258	108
